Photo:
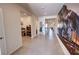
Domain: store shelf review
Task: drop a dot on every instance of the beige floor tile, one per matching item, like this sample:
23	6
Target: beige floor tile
41	45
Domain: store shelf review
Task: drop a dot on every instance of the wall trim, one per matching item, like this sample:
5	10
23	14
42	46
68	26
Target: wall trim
66	52
14	50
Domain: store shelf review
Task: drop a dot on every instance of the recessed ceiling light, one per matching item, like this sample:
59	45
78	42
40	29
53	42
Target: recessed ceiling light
24	14
42	7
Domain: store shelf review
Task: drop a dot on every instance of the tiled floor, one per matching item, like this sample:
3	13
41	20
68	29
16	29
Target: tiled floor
41	45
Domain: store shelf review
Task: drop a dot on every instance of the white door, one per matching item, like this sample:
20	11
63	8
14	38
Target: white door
2	35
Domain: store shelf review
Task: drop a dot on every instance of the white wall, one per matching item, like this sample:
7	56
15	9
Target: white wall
0	51
12	20
73	6
12	27
38	26
26	21
33	26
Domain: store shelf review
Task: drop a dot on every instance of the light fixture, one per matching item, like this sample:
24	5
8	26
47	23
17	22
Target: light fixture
42	7
24	14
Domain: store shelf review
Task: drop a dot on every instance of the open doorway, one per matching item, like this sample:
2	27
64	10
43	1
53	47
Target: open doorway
50	25
25	26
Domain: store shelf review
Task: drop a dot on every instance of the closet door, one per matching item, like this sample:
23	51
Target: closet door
2	35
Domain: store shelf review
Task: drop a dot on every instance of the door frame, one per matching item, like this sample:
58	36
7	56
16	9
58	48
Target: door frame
3	41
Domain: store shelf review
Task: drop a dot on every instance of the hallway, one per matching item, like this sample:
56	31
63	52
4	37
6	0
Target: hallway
40	45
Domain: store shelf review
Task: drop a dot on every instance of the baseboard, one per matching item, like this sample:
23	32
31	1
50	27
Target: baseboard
12	52
66	52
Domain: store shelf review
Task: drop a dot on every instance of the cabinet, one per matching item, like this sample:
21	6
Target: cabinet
23	31
28	30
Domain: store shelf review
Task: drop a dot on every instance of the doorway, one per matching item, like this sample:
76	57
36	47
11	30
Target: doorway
25	26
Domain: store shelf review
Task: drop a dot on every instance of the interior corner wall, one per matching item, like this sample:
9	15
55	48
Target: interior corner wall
34	26
12	27
38	26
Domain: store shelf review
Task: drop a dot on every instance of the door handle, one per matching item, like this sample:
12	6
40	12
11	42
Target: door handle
1	38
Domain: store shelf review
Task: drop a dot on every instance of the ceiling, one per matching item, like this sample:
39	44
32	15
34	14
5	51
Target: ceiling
43	9
48	9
